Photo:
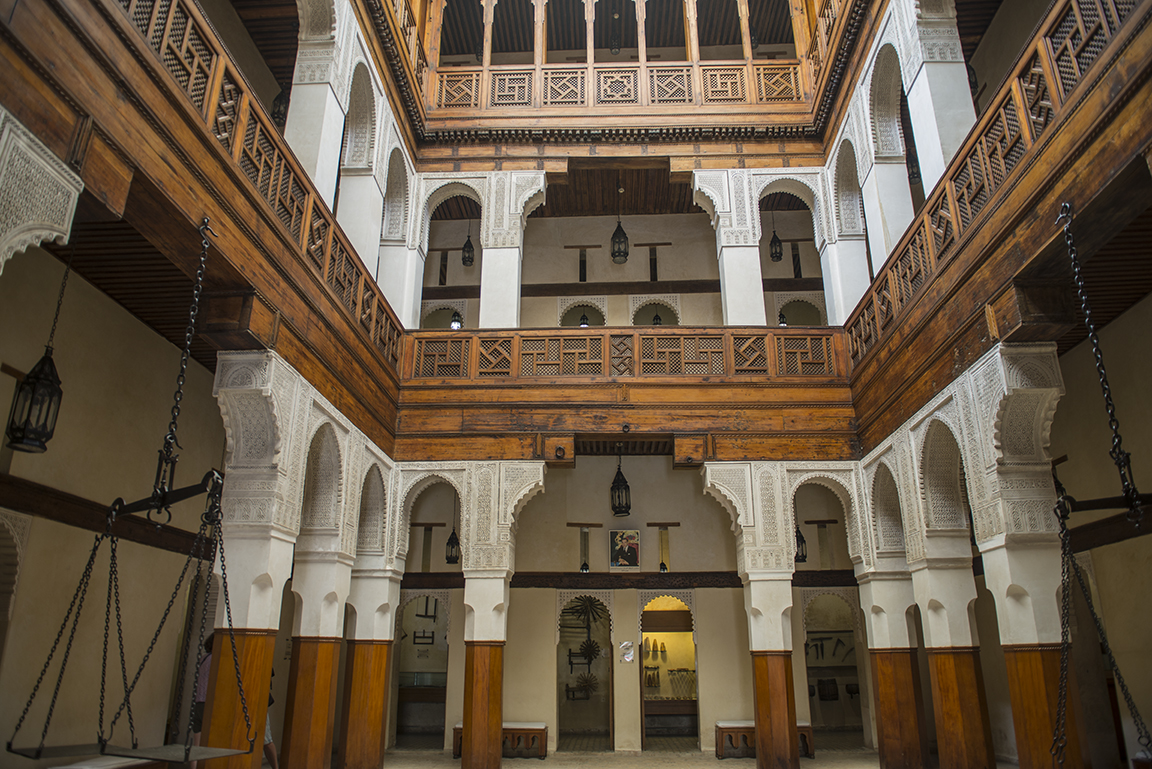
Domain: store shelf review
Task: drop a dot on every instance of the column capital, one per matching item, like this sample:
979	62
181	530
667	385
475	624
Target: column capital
38	191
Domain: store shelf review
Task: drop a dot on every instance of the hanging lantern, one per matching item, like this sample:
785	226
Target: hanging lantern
663	568
584	320
614	37
35	407
775	247
755	40
781	319
621	494
468	252
801	547
36	403
657	320
452	548
457	322
584	568
619	244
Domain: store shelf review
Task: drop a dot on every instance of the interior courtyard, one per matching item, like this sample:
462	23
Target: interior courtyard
617	383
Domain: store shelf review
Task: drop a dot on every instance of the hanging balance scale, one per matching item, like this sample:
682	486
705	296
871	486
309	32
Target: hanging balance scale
1130	500
208	545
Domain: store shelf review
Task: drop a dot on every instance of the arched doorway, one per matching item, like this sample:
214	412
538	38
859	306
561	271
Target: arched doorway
584	675
669	694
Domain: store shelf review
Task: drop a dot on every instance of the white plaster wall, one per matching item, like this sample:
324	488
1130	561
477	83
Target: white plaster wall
244	52
454	706
118	377
723	662
530	660
1000	47
703	542
626	675
1080	430
995	670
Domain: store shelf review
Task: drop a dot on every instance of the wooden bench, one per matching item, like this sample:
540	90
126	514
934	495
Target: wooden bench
737	739
522	739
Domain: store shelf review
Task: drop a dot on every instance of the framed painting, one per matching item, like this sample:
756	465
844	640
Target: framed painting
624	550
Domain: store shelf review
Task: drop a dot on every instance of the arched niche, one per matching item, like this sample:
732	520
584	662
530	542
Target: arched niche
322	481
942	480
849	201
801	313
886	513
645	315
574	313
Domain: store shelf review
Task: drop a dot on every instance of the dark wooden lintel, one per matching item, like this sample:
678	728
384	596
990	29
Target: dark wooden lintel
31	498
1109	531
684	580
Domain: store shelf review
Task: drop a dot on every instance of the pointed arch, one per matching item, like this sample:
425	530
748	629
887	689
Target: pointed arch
396	198
887	520
806	190
884	92
373	509
439	191
360	124
942	479
322	481
849	201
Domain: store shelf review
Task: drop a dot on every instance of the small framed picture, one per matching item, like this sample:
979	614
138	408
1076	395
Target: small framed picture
624	550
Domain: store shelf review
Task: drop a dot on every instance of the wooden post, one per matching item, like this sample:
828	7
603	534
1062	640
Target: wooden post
483	705
590	91
433	31
642	51
311	708
223	714
902	738
486	61
1033	684
963	734
693	39
364	733
539	49
774	698
745	30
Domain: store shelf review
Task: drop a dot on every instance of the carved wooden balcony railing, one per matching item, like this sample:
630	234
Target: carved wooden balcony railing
616	85
1036	95
178	34
613	353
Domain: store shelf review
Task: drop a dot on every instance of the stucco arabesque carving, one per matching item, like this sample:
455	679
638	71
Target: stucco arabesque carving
563	597
813	298
38	192
686	597
844	479
564	303
18	526
432	189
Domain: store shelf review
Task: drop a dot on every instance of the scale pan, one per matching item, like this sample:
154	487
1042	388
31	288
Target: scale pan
173	754
57	751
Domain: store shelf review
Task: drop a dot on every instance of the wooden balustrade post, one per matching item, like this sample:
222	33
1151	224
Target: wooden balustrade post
642	89
590	96
486	61
539	50
693	38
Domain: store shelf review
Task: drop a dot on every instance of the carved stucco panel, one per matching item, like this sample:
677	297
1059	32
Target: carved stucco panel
563	597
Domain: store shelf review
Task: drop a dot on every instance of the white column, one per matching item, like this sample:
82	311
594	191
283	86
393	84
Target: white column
741	286
361	213
944	588
887	208
322	580
886	598
768	603
940	105
375	595
259	562
400	275
1024	578
315	132
486	604
500	287
844	265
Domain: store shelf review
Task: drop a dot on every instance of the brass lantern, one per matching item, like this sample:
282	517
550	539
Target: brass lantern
621	494
801	547
619	244
35	407
452	548
468	252
457	322
775	247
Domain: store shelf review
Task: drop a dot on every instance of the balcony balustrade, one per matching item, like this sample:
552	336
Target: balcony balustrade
625	353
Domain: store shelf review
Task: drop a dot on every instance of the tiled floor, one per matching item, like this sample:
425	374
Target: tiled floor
583	743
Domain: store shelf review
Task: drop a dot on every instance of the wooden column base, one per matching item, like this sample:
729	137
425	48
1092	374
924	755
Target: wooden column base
963	734
363	733
1034	685
223	714
483	705
777	743
903	743
311	706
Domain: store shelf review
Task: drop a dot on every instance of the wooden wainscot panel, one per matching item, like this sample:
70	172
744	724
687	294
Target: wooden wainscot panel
559	450
690	451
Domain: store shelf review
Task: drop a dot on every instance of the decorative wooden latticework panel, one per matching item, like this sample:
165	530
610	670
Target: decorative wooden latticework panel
267	168
1037	96
617	86
442	358
512	89
750	354
969	186
227	109
943	226
564	88
804	356
1076	40
562	356
180	42
670	85
622	356
343	276
317	240
862	331
700	355
777	82
495	357
1004	143
387	333
458	90
724	85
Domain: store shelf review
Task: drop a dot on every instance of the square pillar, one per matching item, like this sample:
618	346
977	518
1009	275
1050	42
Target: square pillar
768	601
315	132
361	214
400	275
940	105
887	208
485	629
844	265
500	287
741	286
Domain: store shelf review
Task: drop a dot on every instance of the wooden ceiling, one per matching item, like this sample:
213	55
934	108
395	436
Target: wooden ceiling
119	261
623	444
972	20
274	26
512	27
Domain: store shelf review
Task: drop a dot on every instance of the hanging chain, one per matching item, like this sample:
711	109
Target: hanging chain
60	299
1060	733
1120	457
218	535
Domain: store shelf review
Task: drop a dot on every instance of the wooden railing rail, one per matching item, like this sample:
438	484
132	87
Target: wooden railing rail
1060	57
624	352
614	85
176	32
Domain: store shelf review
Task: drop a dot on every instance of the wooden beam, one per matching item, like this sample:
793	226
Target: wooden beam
617	288
1108	531
600	580
31	498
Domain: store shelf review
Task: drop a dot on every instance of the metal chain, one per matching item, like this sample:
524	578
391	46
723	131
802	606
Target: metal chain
182	668
170	441
218	535
1060	733
1119	456
60	299
77	604
115	579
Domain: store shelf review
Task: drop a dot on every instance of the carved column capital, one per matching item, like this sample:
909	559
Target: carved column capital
38	191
